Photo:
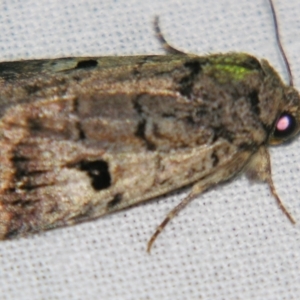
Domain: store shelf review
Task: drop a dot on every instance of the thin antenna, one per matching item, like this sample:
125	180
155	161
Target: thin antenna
168	48
280	45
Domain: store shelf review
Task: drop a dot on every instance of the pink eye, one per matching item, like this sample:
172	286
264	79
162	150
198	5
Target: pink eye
283	123
285	126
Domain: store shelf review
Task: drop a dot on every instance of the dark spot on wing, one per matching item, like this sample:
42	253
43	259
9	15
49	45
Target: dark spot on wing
223	133
31	89
34	125
20	69
81	133
215	159
115	201
136	72
186	83
98	171
141	133
76	78
168	115
86	64
137	106
250	146
23	177
194	67
140	130
190	120
19	164
202	112
78	125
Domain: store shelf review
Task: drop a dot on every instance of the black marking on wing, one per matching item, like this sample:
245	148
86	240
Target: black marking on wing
15	69
223	133
98	171
115	201
81	133
78	125
34	125
24	178
19	163
186	83
215	159
86	64
32	89
140	131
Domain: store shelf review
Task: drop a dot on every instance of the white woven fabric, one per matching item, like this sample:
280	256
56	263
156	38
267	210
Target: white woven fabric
230	243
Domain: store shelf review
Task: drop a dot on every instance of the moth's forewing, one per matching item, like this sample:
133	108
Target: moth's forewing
82	137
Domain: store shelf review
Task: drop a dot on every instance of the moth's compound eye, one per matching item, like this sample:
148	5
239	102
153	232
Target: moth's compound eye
285	126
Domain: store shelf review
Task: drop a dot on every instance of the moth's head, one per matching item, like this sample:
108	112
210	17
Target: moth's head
287	124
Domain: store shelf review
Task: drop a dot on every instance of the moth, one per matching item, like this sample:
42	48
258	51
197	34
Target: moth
84	137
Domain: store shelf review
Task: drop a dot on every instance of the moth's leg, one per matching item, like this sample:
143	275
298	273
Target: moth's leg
220	174
197	189
259	168
168	48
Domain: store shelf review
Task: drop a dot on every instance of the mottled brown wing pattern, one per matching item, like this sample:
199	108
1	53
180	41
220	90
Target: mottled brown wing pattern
80	138
67	166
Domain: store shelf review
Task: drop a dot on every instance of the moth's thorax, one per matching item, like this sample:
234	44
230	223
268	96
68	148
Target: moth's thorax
255	89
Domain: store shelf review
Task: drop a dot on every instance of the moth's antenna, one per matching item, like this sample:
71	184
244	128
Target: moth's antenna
168	48
280	45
